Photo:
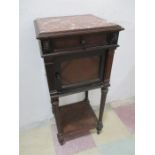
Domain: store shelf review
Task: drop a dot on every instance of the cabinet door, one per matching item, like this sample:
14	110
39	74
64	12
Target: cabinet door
74	72
81	71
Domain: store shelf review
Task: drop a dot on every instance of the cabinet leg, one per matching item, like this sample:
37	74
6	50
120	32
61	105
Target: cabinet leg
104	92
86	96
55	102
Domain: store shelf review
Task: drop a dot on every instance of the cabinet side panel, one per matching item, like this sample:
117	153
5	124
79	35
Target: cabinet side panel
108	65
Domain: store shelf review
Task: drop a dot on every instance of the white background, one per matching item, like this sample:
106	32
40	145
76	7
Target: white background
34	97
145	75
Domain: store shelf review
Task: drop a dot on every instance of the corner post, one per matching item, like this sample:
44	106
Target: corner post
106	84
55	106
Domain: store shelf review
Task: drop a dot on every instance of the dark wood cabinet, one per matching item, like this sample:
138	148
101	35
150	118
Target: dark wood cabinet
78	54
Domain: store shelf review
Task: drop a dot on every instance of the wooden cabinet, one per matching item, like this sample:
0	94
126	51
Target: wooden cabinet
78	54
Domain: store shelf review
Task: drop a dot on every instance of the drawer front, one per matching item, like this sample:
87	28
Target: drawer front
78	42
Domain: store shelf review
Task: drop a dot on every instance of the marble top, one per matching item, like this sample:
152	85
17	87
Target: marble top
55	25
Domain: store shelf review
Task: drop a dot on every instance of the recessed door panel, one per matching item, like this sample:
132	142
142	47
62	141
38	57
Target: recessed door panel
80	70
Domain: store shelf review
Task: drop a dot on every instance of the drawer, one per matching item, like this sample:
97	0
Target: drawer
82	41
78	42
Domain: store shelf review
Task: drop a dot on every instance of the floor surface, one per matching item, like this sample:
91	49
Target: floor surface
116	138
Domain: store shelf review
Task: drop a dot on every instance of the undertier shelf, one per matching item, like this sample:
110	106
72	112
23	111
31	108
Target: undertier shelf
77	117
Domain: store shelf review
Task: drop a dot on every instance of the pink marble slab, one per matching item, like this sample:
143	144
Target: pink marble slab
127	114
73	146
51	25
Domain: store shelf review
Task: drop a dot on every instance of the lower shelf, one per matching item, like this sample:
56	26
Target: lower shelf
77	117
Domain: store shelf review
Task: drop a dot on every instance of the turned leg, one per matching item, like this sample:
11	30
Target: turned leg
102	105
86	96
55	103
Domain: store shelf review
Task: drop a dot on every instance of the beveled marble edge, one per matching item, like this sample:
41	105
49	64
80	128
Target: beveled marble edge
76	32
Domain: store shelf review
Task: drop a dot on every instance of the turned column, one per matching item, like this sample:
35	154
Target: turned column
106	84
104	92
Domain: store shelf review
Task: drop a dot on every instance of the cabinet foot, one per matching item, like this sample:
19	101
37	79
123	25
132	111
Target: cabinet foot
60	139
99	127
